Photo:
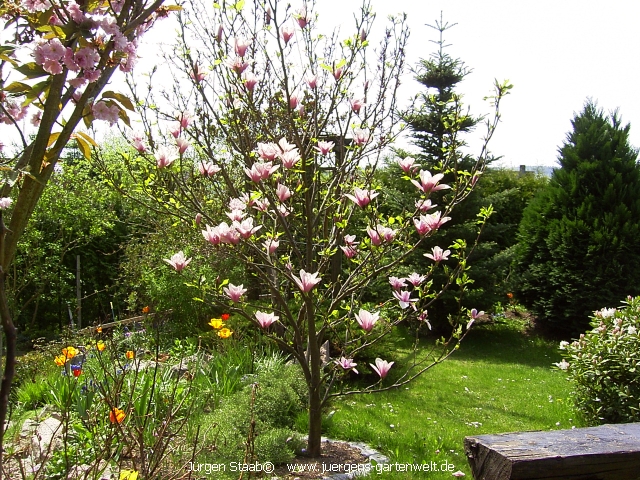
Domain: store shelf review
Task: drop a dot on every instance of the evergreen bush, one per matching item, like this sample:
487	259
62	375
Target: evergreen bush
580	237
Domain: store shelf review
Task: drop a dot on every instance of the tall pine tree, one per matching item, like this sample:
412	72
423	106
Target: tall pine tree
580	238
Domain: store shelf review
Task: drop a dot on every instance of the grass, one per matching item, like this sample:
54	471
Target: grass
501	380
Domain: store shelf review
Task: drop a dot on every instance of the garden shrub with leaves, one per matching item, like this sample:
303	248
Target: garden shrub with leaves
603	365
273	397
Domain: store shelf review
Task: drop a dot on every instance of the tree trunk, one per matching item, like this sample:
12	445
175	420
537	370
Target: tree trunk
315	400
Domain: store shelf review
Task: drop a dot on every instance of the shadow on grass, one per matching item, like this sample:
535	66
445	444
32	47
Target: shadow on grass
507	343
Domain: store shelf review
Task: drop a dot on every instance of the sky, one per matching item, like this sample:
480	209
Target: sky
555	53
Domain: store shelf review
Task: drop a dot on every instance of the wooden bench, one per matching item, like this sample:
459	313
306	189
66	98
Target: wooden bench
608	452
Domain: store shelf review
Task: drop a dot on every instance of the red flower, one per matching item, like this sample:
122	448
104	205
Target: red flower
225	317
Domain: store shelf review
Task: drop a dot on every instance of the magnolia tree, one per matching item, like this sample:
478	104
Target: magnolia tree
287	126
56	58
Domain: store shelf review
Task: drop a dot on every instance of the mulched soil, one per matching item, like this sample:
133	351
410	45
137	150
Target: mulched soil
333	455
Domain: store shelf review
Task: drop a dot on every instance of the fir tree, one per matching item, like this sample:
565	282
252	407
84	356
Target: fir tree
580	238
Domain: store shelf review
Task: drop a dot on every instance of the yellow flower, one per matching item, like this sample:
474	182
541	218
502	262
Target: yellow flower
99	329
216	323
69	352
224	333
101	346
116	415
129	354
128	475
60	360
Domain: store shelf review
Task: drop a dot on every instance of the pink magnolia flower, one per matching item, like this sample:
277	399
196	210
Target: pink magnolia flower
362	197
424	205
261	171
324	148
238	65
198	219
234	292
178	261
238	204
211	234
289	159
198	74
397	283
437	254
219	34
250	80
5	202
349	251
294	100
266	319
350	240
268	151
429	222
416	279
285	146
374	235
436	220
312	81
475	314
307	281
361	137
139	145
283	192
404	297
208	169
346	364
236	215
165	157
357	104
271	245
429	183
241	46
381	367
337	73
406	164
261	204
287	33
367	319
302	18
228	234
182	144
246	228
388	234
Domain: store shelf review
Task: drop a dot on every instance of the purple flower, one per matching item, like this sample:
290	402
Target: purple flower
381	367
234	292
266	319
307	281
362	197
397	283
404	297
367	319
437	255
416	279
346	364
178	261
429	183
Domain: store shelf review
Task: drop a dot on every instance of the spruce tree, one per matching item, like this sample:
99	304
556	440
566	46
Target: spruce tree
580	238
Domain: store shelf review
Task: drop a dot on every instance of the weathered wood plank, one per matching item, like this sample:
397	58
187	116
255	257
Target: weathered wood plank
608	452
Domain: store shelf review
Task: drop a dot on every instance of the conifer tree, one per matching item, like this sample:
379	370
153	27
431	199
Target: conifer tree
580	237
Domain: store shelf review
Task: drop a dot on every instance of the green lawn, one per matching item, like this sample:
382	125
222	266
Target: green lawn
500	380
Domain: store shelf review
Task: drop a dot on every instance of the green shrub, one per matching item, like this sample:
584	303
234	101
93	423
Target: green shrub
603	365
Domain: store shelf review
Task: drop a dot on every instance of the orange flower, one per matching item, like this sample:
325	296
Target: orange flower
116	415
145	309
101	346
216	323
69	352
99	329
225	317
130	354
224	333
60	360
510	295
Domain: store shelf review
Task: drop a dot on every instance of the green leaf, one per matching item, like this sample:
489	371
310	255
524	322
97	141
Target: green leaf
32	70
17	88
84	146
123	99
